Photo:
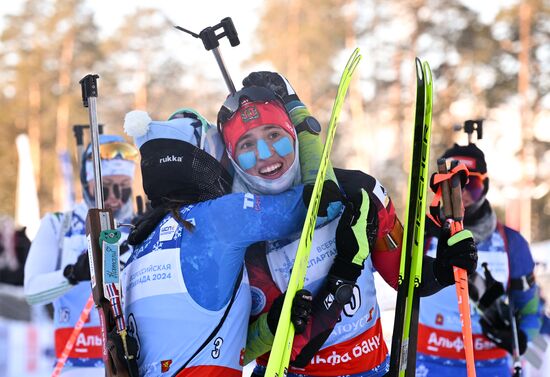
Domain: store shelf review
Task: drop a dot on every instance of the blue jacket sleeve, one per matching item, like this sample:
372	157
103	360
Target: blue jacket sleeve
248	218
225	227
525	301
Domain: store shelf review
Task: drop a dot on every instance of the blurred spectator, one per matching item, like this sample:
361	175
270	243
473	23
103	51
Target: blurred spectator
14	247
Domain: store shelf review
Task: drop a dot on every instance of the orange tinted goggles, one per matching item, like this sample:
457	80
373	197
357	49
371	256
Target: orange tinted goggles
478	175
475	185
114	150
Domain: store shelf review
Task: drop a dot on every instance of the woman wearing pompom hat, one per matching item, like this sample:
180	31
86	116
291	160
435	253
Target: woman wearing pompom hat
273	144
505	261
57	268
186	292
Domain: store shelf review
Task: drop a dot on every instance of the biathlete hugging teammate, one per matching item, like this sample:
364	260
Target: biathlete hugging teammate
186	292
273	145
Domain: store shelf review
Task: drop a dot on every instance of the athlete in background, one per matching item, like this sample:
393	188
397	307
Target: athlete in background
505	254
57	268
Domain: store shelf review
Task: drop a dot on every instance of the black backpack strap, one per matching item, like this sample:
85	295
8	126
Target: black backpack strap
523	283
218	327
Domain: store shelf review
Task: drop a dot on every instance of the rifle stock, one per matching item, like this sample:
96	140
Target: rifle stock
97	221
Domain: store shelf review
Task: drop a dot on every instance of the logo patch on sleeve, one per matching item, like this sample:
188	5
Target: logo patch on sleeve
258	300
168	230
165	365
248	200
381	194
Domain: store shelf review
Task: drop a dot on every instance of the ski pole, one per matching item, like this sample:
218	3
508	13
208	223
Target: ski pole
452	204
211	42
445	189
515	354
72	338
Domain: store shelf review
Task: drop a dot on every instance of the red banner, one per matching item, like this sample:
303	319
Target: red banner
88	344
449	344
359	354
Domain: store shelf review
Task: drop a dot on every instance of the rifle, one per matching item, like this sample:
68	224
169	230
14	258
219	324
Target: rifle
471	126
211	43
103	251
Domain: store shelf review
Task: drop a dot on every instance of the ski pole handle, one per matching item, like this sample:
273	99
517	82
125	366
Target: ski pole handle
456	201
471	126
230	32
445	189
461	277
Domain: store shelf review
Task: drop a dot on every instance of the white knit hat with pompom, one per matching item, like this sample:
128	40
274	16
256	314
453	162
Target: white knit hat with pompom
136	123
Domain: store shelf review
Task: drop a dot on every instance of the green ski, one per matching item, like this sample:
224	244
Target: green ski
284	336
403	349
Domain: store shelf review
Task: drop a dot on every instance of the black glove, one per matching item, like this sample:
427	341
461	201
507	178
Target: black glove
503	336
330	197
80	271
115	349
301	310
274	82
22	245
355	237
459	250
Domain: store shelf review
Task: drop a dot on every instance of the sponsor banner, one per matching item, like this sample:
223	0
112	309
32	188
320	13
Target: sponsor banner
88	344
449	344
360	354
